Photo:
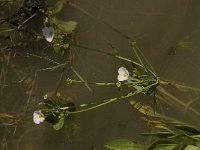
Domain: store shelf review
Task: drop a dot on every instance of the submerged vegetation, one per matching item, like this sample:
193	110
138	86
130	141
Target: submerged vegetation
139	79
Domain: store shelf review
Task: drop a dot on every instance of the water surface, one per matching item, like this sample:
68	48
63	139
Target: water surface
166	31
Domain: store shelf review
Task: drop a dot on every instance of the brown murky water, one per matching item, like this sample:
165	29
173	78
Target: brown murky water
166	31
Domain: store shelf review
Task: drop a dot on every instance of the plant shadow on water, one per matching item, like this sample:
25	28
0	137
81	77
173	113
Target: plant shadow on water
30	70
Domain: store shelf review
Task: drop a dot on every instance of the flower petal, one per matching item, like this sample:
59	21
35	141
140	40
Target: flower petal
120	77
51	29
122	70
36	120
50	38
45	31
123	74
48	33
42	119
38	117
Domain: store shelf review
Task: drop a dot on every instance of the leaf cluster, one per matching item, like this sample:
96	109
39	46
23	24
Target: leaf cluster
56	109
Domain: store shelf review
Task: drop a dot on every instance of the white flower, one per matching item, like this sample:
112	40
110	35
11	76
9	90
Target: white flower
38	117
123	74
48	33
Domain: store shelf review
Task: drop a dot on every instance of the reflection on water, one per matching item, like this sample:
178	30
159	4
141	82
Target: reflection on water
160	28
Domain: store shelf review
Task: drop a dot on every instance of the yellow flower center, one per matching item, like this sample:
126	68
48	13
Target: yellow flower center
40	116
125	75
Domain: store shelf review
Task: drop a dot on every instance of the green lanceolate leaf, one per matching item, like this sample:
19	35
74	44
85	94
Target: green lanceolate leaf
142	108
189	129
198	143
60	123
164	127
124	144
57	8
159	134
191	147
196	136
66	26
163	145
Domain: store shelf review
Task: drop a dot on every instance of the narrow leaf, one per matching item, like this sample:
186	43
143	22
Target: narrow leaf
159	134
188	129
164	127
8	29
163	145
191	147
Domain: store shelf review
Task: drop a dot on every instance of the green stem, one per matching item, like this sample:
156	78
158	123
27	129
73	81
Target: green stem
44	58
128	60
136	50
104	103
116	56
96	83
99	83
136	53
81	78
32	16
2	30
106	53
114	99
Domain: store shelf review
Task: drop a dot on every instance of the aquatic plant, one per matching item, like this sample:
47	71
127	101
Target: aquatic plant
123	74
168	133
141	79
54	110
54	28
48	33
38	117
63	34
